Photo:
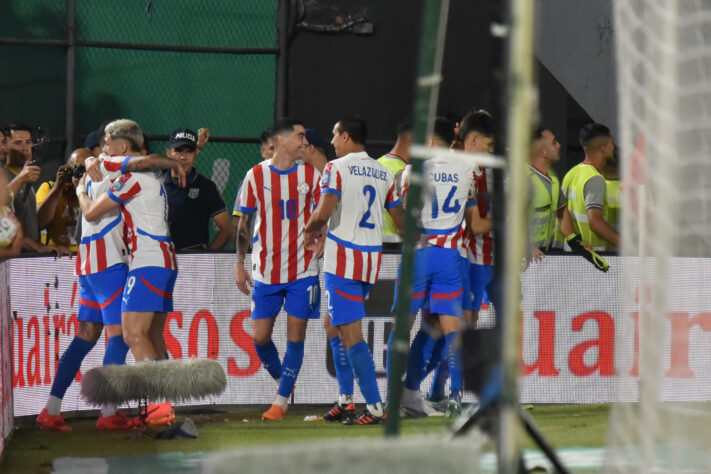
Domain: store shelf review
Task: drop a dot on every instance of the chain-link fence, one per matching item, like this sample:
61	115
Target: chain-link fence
69	66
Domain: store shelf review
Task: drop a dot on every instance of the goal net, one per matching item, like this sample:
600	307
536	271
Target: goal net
663	420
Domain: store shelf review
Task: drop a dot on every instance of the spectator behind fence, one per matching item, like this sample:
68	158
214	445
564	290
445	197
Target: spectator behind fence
65	211
22	172
92	143
3	147
191	208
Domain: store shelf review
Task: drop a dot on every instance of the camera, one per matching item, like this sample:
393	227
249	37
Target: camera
78	171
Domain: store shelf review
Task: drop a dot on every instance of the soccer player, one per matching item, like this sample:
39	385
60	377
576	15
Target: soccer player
147	296
355	191
101	266
448	201
281	193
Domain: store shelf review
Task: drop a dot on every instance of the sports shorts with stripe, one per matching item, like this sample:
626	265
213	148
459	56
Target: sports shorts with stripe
345	298
301	298
437	281
100	295
149	289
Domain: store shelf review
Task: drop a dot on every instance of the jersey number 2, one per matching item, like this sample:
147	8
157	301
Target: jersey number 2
370	192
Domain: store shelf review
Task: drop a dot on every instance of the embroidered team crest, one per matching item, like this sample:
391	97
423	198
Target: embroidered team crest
303	188
117	185
193	193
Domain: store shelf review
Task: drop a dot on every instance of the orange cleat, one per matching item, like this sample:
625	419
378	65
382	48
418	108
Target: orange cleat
275	412
52	422
117	422
160	414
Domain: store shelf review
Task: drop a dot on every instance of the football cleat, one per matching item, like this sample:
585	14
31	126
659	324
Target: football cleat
454	407
339	412
117	422
364	418
52	422
414	404
275	412
159	414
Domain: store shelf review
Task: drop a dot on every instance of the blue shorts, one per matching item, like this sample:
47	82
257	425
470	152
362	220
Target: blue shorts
479	278
437	281
100	295
345	299
301	298
149	289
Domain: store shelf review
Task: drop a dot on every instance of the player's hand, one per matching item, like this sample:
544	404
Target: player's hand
93	168
321	245
242	278
203	137
29	173
311	240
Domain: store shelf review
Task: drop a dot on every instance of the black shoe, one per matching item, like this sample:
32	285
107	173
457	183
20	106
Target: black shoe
339	412
365	418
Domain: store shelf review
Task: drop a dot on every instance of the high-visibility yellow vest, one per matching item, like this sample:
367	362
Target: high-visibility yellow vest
573	190
543	210
395	164
612	199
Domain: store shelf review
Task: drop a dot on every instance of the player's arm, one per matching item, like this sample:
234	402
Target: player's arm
476	223
93	209
243	241
224	230
314	227
398	216
154	162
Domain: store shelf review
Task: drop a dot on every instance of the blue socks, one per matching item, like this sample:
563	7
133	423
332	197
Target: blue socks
293	358
364	368
269	355
69	365
416	361
116	351
344	371
453	355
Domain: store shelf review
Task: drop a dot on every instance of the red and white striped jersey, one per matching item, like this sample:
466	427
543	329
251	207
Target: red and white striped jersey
354	241
448	190
144	206
283	202
102	242
481	247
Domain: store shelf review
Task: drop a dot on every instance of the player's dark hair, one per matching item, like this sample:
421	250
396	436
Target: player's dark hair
479	122
354	126
404	126
146	144
285	125
443	129
592	131
265	136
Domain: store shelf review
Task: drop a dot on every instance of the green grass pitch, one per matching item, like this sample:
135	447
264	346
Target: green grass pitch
31	450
